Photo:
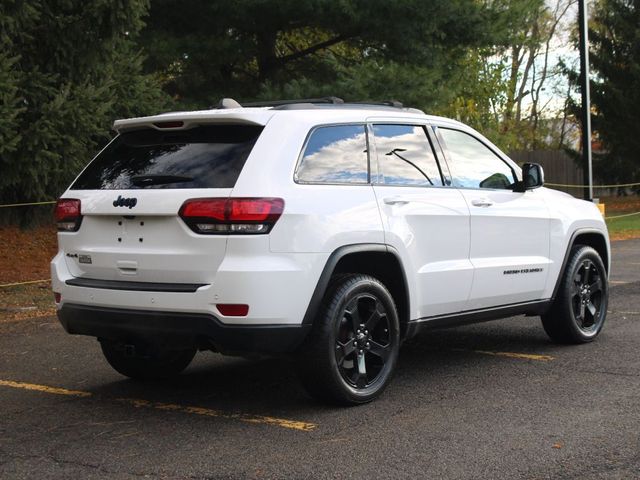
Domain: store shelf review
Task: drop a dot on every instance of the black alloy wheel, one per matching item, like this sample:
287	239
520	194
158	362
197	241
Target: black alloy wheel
579	310
363	343
587	293
351	352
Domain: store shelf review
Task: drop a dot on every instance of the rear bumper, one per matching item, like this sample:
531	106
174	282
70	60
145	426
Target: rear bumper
123	324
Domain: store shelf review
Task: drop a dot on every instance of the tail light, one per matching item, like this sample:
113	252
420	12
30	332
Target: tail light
231	215
68	216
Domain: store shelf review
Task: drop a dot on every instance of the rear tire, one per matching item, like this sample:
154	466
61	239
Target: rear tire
580	308
146	363
351	352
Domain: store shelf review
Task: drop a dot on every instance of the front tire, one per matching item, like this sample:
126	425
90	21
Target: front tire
580	308
350	355
144	362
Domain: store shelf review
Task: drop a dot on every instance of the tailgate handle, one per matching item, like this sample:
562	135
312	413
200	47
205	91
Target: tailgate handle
127	267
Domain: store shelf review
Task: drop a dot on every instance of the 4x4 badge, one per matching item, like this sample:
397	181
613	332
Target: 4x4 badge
125	202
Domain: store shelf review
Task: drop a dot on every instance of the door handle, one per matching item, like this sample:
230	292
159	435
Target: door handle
395	200
481	202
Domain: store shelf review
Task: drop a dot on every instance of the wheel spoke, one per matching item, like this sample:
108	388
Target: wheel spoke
582	310
587	270
344	349
592	310
375	316
361	379
596	286
354	313
379	350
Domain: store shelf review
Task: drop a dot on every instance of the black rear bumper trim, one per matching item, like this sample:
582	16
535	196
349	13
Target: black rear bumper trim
124	324
135	286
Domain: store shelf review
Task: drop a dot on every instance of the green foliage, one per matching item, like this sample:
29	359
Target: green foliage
615	93
67	69
358	49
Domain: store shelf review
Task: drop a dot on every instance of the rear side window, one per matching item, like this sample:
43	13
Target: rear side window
405	156
203	157
335	154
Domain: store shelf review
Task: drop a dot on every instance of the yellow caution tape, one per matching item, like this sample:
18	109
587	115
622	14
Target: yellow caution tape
24	283
27	204
594	186
620	216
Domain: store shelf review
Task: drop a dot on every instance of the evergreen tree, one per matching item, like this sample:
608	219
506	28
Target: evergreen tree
355	49
615	89
68	68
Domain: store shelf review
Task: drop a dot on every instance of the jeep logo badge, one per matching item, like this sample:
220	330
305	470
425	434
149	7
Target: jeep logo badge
125	202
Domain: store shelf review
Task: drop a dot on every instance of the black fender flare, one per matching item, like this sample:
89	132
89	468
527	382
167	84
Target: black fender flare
335	257
570	245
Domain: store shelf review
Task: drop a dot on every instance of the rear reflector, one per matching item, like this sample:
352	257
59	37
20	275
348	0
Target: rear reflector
68	215
233	310
57	297
231	215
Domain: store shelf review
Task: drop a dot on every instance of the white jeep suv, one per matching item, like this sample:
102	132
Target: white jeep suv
327	230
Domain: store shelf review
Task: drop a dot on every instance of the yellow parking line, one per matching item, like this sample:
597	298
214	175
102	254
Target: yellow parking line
45	389
522	356
207	412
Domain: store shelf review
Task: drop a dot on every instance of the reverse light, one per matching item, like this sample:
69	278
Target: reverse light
233	310
226	216
68	215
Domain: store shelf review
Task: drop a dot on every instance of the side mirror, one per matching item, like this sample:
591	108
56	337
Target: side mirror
532	176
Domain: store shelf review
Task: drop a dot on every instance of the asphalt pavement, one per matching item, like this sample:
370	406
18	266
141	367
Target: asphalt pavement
494	400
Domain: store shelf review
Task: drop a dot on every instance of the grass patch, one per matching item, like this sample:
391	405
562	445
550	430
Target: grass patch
26	301
623	227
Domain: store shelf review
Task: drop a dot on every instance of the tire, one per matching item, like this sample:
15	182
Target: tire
146	364
351	352
578	313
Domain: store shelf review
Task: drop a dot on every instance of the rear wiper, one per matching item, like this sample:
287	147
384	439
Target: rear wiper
146	180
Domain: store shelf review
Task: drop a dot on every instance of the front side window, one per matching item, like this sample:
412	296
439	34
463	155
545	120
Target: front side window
405	156
474	165
335	154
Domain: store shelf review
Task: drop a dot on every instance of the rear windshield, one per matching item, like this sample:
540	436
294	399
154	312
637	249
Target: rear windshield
204	157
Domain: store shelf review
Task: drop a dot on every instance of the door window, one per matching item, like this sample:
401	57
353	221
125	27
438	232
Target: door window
405	156
474	165
335	154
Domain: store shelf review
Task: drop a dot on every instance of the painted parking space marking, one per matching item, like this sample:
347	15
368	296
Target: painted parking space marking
209	412
520	356
171	407
45	389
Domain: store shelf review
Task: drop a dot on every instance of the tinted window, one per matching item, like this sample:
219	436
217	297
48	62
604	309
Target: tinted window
405	156
472	164
336	154
203	157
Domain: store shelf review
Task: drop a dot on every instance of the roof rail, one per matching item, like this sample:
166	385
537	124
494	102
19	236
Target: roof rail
384	103
278	103
304	103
